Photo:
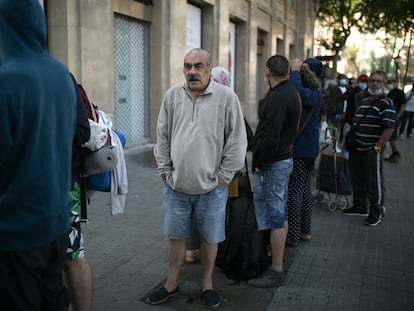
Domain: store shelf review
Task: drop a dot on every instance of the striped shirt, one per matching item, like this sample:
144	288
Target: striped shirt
379	114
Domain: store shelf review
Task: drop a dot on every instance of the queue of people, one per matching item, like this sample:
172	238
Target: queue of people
201	145
281	174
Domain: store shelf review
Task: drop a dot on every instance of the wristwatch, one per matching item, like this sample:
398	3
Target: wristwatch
377	149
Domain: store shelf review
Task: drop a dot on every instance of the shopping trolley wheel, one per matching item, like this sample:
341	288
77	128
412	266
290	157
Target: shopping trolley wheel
344	204
332	206
319	197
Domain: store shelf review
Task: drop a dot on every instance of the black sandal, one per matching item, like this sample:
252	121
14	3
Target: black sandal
161	295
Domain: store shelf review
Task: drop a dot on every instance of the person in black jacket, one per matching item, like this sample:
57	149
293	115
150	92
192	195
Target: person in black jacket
399	101
272	163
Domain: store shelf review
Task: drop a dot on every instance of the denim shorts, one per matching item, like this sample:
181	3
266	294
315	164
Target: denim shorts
209	210
270	189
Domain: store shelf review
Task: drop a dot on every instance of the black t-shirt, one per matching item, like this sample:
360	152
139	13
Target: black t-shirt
398	98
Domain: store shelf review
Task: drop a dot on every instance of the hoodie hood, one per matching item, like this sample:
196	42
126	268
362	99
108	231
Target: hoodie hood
316	66
22	29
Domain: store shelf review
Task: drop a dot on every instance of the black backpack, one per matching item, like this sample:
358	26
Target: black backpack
246	251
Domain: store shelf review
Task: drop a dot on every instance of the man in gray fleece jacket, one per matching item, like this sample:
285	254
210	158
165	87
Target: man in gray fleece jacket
201	144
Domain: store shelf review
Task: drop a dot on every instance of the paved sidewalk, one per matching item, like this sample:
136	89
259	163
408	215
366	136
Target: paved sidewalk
346	266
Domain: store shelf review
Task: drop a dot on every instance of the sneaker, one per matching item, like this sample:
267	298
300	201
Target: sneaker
270	278
211	299
161	295
372	220
397	156
355	211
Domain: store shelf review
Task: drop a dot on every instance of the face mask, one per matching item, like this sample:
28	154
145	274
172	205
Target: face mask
342	82
390	86
376	93
362	85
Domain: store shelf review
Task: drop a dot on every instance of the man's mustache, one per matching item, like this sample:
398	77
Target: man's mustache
194	78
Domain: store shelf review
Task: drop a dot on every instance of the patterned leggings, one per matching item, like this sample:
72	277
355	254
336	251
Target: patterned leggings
300	203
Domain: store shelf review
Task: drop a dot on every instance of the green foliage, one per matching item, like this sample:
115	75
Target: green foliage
394	17
339	17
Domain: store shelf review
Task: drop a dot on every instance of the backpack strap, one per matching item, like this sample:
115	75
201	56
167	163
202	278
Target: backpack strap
92	113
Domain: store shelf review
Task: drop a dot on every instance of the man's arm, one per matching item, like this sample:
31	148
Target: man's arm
162	147
385	136
401	111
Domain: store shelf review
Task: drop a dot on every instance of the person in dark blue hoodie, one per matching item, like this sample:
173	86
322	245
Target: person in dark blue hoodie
37	129
307	78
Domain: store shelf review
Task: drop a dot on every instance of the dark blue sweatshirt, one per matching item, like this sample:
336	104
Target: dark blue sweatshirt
307	143
37	128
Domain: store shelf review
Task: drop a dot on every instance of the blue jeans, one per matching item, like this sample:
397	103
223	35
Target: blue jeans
209	210
270	189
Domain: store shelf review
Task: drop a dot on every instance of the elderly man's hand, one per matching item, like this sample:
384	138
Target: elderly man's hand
222	184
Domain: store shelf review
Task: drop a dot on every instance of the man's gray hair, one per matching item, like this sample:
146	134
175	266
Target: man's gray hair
199	50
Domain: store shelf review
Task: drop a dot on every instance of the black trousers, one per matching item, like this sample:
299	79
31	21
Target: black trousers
32	279
367	180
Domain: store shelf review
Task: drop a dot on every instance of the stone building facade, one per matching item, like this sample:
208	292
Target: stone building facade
127	53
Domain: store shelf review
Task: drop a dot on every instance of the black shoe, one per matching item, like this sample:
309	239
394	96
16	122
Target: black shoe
211	299
161	295
356	211
372	220
394	157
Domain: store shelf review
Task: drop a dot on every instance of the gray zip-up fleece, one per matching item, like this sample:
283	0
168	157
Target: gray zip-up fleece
200	142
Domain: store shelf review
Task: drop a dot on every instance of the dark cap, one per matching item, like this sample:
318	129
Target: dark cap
391	79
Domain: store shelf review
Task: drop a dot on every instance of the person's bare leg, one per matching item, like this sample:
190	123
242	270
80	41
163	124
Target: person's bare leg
208	253
394	147
277	242
78	279
176	253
